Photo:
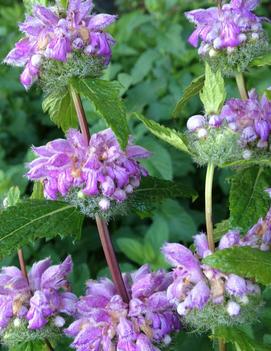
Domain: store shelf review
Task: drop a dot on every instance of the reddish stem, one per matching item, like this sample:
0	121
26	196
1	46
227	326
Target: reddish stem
108	249
22	263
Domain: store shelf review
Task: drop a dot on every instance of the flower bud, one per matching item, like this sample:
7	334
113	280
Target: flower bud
104	204
195	122
233	308
202	133
59	321
215	121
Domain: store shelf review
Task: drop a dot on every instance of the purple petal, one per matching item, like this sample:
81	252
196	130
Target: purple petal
230	239
46	15
36	272
39	311
202	246
68	303
236	285
55	276
99	22
135	151
20	55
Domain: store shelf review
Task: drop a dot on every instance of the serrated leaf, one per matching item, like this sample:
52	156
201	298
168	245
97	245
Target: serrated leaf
244	261
213	94
154	190
264	60
248	200
61	110
143	65
239	339
105	97
193	89
168	135
36	219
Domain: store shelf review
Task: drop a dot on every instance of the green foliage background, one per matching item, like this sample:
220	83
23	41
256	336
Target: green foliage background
154	65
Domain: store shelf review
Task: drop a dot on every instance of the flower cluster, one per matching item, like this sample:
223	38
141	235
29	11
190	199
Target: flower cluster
97	169
50	34
201	292
106	323
246	121
225	28
42	297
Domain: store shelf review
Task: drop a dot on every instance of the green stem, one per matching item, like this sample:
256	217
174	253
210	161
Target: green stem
241	85
209	206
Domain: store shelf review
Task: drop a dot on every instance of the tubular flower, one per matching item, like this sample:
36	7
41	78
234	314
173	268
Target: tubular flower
44	296
201	292
52	35
251	118
106	323
100	169
226	28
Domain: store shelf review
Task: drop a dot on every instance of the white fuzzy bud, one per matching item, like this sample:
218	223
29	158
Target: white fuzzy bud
59	321
17	322
247	154
104	204
233	308
213	53
202	133
195	122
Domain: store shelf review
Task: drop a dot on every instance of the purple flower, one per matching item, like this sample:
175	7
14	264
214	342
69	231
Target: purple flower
228	27
99	168
251	118
195	284
230	239
106	322
51	36
195	122
39	300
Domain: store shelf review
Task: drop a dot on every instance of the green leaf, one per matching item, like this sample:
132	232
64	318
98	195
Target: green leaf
213	94
13	197
61	110
30	346
248	163
105	97
193	89
264	60
36	219
168	135
143	65
221	229
248	200
239	339
153	190
244	261
132	248
157	234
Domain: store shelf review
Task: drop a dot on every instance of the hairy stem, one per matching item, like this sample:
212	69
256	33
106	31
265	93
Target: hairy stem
219	4
209	206
241	85
22	263
101	224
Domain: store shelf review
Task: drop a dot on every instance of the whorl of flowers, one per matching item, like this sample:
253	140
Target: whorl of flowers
223	30
106	323
246	122
42	298
201	292
50	34
98	169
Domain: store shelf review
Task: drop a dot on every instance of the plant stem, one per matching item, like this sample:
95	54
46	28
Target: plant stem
111	258
22	263
221	345
101	224
219	4
241	85
208	205
48	344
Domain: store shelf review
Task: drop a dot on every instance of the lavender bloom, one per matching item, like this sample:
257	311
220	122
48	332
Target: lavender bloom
195	285
99	169
42	298
252	118
51	36
105	322
225	28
